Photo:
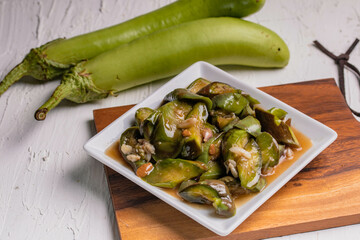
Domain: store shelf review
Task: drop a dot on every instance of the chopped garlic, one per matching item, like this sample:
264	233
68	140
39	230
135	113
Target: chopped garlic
126	149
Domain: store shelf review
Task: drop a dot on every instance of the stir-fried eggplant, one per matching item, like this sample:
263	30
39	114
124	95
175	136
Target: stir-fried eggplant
169	173
192	128
183	94
211	192
210	140
134	149
216	88
166	136
198	84
277	128
269	148
230	102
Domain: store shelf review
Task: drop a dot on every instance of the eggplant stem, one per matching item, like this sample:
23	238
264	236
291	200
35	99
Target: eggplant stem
14	75
61	92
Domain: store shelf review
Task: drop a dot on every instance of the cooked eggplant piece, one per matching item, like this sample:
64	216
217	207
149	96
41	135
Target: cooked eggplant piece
230	102
259	186
250	125
198	84
167	137
277	128
215	171
270	152
169	173
148	125
212	192
216	88
211	150
142	114
183	94
186	184
135	150
252	101
221	118
247	111
234	137
234	186
249	167
278	112
192	128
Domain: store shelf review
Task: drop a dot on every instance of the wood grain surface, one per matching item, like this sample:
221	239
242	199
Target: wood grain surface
323	195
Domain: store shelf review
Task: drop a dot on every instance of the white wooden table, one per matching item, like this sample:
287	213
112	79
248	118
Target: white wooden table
49	187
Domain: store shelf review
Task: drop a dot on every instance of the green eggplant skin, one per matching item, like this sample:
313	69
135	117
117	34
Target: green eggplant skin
55	57
250	169
92	44
250	125
166	136
219	41
192	144
221	118
169	173
148	125
269	148
142	114
235	137
198	84
208	155
230	102
183	94
216	88
215	171
212	192
278	112
130	137
277	128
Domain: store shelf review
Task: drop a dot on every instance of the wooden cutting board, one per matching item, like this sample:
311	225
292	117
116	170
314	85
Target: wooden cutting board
324	194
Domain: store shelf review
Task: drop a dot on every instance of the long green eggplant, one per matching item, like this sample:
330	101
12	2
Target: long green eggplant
167	52
52	59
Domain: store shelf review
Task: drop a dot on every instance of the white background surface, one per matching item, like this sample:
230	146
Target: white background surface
49	187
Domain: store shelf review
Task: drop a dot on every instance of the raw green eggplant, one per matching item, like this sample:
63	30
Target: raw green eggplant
167	52
52	59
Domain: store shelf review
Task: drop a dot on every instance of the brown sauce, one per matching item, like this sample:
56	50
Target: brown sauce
305	142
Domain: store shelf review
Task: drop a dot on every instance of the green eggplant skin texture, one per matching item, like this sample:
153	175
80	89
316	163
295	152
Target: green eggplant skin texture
86	46
55	57
169	173
167	52
219	41
166	136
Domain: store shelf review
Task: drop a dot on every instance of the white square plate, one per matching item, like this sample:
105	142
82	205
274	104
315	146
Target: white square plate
320	135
